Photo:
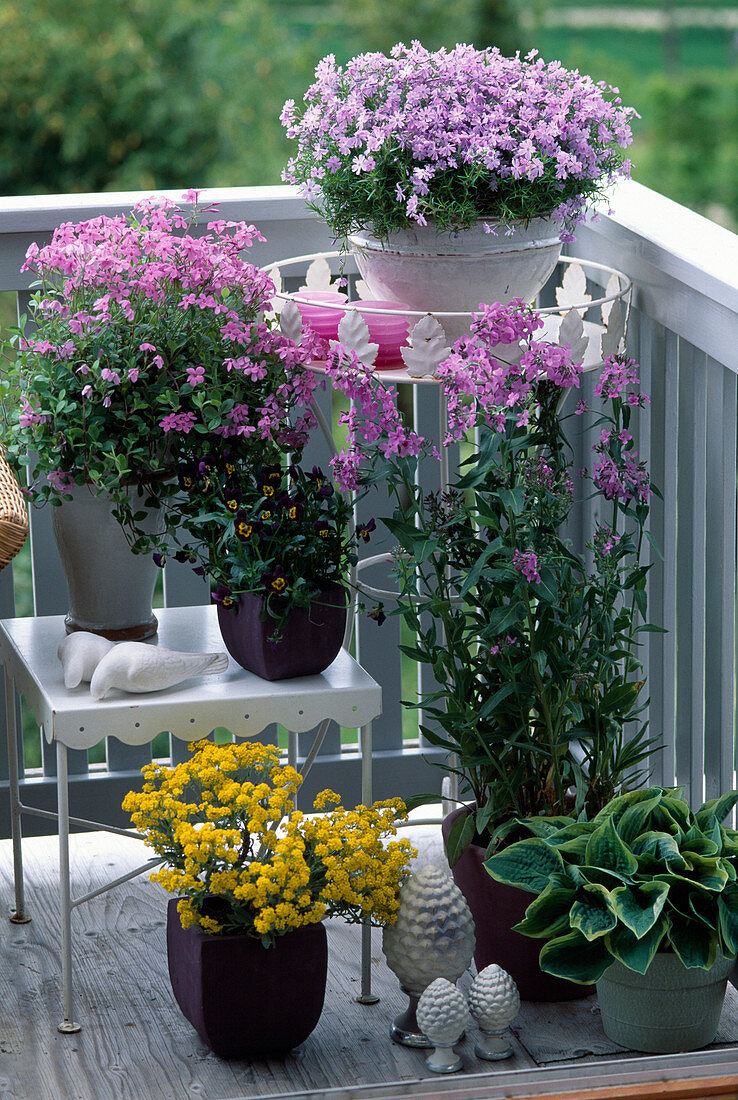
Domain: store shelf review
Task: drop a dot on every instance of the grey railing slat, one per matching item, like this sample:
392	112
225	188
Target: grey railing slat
720	612
691	571
426	407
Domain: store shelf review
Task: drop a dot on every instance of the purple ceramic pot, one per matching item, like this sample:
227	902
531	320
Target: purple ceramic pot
243	999
310	641
496	907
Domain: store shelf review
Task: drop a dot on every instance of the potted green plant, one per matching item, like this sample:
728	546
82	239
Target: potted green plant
255	879
277	543
642	900
533	646
456	172
144	336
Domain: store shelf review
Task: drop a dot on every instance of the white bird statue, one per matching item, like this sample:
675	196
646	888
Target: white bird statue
138	667
80	653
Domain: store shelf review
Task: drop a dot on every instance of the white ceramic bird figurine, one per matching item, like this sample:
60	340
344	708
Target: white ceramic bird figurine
80	653
138	667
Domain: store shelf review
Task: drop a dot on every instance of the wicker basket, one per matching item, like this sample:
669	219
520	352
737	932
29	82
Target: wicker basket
13	515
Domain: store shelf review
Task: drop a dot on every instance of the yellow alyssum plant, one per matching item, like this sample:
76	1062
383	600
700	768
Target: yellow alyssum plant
242	860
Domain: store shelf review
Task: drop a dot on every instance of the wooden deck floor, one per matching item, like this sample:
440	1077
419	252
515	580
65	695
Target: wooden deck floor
135	1044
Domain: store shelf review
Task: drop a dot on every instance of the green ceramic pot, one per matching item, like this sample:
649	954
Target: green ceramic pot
668	1009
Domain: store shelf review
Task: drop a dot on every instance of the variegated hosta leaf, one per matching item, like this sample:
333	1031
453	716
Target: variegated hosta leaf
290	321
363	290
613	336
318	275
571	332
613	287
428	347
573	289
353	333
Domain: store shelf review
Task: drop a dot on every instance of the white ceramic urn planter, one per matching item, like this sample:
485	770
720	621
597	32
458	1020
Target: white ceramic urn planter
452	272
666	1010
110	588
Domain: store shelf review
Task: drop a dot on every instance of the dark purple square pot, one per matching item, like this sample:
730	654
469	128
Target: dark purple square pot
496	907
310	641
243	999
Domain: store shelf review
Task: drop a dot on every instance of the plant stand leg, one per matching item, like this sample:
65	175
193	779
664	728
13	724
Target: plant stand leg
18	915
366	996
68	1025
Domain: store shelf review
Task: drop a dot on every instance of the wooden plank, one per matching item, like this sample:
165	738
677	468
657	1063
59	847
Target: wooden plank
132	1030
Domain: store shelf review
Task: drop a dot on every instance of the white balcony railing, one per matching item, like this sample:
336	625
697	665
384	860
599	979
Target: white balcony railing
684	332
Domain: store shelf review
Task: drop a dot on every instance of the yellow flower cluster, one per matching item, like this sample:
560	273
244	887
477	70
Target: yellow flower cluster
223	823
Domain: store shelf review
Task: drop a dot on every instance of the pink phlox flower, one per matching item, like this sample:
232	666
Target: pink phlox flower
195	375
178	422
526	562
30	415
619	380
43	347
60	480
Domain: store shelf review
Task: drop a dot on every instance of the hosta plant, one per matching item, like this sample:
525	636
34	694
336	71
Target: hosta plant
645	875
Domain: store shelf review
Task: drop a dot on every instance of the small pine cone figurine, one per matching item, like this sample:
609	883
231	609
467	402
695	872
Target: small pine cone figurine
494	1002
443	1015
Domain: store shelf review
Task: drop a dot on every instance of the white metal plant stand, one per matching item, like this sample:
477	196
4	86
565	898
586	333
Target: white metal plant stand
569	322
237	700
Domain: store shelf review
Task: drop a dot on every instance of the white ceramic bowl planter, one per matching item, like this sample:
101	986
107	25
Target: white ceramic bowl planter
433	271
667	1009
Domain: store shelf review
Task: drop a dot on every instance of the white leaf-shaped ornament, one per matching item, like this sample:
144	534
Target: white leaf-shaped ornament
318	275
363	290
276	303
573	289
353	333
615	330
571	332
613	287
290	321
428	347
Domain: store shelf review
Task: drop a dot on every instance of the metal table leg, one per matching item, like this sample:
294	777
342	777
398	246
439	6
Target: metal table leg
366	996
68	1025
19	915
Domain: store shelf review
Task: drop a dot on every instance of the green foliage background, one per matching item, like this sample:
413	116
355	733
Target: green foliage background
144	94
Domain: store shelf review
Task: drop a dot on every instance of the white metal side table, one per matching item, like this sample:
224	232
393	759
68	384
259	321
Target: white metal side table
238	700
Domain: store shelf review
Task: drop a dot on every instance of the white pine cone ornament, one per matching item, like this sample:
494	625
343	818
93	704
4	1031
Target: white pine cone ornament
494	1002
443	1013
433	936
494	999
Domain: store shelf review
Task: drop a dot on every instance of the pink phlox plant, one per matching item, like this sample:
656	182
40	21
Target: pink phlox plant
409	137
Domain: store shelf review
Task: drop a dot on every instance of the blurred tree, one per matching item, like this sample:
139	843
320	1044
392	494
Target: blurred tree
688	144
103	95
145	94
379	24
498	25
